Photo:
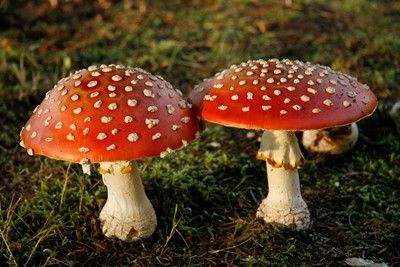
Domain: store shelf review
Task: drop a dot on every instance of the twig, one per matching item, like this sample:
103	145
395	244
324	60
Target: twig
65	185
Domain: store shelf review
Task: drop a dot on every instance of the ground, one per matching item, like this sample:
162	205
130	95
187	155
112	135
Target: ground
206	195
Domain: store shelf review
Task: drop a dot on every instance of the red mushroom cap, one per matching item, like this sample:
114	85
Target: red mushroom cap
282	95
109	113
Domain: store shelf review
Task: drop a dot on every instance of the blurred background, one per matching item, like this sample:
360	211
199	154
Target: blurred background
205	196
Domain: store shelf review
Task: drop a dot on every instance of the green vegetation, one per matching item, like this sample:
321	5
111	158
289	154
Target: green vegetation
205	197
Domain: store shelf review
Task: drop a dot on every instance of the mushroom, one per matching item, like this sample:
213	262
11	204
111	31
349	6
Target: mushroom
334	141
113	115
280	97
394	113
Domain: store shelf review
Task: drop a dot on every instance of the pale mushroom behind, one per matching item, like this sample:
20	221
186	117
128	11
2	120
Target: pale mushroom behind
113	115
281	97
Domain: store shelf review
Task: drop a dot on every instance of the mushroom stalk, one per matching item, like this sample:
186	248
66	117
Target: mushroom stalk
128	213
284	203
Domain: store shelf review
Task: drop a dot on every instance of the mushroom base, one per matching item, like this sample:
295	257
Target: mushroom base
331	141
284	204
128	213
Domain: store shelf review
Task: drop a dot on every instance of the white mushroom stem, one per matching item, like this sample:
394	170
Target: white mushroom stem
128	213
331	141
284	204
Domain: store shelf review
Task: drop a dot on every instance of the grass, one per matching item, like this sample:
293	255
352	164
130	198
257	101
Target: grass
205	197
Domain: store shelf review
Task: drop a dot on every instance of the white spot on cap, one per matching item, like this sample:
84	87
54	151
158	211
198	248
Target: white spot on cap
277	71
156	136
59	125
128	119
106	119
128	88
133	137
283	80
176	127
116	78
73	126
112	106
346	104
270	80
334	82
95	73
218	85
287	100
266	97
63	108
98	104
112	94
311	90
235	97
83	149
310	82
94	94
328	102
111	88
152	109
266	107
277	92
170	109
134	82
296	81
330	90
291	88
209	97
249	95
255	82
283	112
70	137
365	100
246	109
92	68
77	110
249	73
85	131
151	122
111	147
74	97
351	94
132	102
148	93
242	82
185	119
47	121
234	77
33	134
48	139
64	92
316	110
77	83
92	84
101	136
87	119
106	69
305	98
296	107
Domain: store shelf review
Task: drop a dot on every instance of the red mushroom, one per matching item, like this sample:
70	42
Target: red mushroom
112	115
281	97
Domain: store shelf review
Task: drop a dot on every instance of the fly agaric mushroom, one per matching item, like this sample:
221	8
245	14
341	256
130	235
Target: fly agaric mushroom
113	115
281	97
334	141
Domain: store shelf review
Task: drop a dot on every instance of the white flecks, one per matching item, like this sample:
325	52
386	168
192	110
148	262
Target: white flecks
287	100
76	76
310	82
246	109
305	98
265	107
235	97
319	81
77	83
283	80
83	149
351	94
74	97
106	69
64	92
222	107
59	125
70	137
249	73
346	104
184	142
266	97
116	78
132	102
283	112
185	119
111	88
277	92
148	83
33	134
114	131
106	119
134	82
296	107
111	147
365	100
47	121
209	97
328	102
112	106
316	110
242	82
112	94
156	136
148	93
128	88
73	126
311	90
277	71
270	80
330	90
98	104
48	139
92	84
101	136
291	88
152	109
30	151
300	76
85	131
151	122
334	82
218	85
182	103
140	77
176	127
133	137
94	94
255	82
128	119
170	109
296	81
263	88
28	127
92	68
234	77
95	73
249	95
77	110
60	87
63	108
87	119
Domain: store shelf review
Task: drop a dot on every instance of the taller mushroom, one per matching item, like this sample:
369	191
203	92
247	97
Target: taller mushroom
112	115
280	97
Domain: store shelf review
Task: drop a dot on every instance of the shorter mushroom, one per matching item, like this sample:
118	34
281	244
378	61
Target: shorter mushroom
113	115
395	114
331	140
